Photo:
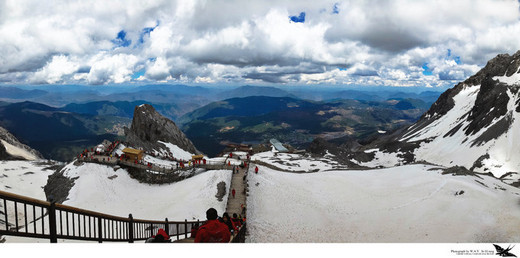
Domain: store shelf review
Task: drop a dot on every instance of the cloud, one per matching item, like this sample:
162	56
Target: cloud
55	70
111	69
283	42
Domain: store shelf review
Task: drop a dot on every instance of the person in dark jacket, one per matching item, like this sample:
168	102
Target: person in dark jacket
227	220
194	230
213	231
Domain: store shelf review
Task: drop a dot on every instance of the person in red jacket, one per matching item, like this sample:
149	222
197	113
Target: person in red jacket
256	170
233	192
213	231
236	221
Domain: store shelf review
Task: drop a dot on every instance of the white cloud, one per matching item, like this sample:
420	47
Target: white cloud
378	42
54	71
111	69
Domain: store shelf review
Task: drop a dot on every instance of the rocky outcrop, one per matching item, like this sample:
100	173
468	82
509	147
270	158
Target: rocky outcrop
10	139
148	127
58	186
3	153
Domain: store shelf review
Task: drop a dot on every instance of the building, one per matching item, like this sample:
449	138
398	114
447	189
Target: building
278	146
133	154
197	157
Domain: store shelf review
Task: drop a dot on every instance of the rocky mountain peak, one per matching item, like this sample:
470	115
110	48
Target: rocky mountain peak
490	89
148	127
501	65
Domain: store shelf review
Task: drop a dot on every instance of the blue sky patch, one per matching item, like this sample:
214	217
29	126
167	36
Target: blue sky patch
121	40
335	8
455	58
426	70
138	74
300	18
146	32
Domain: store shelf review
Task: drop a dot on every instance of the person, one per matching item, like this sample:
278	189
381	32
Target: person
161	237
227	220
194	230
233	192
256	170
236	222
213	231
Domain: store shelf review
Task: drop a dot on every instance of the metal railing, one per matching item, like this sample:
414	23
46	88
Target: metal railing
27	217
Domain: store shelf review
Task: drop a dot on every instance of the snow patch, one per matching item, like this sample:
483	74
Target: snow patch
18	152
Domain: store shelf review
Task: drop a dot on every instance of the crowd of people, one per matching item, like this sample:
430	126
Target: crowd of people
218	229
215	230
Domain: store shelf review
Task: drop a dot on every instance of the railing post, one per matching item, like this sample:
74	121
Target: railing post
166	226
52	222
186	228
177	228
130	228
100	230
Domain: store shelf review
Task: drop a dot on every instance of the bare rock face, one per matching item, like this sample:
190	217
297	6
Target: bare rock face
148	127
3	153
9	138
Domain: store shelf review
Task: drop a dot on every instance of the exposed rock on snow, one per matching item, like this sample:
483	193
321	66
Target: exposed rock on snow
221	191
58	186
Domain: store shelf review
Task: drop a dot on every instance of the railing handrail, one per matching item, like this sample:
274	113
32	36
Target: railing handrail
51	222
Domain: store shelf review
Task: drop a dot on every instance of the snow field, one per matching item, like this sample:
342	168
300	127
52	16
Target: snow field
122	195
24	178
407	204
296	162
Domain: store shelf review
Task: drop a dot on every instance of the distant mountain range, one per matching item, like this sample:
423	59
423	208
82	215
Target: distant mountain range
295	121
71	117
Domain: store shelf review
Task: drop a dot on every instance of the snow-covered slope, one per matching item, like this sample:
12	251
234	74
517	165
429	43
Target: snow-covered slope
410	204
16	151
103	189
25	177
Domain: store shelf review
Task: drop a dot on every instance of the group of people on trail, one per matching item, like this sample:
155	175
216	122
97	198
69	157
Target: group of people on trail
214	230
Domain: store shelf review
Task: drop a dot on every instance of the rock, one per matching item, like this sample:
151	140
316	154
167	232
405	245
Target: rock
221	191
148	127
320	146
58	186
3	153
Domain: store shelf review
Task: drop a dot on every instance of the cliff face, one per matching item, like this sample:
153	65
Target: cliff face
11	148
148	127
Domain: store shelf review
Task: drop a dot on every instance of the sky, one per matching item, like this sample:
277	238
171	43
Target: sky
383	43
